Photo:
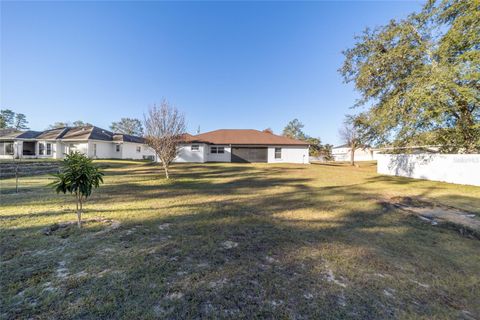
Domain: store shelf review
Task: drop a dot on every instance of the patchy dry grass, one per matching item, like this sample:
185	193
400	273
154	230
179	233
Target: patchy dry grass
238	241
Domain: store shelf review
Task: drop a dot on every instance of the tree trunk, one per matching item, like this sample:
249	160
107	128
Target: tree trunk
16	178
79	219
79	212
165	167
352	156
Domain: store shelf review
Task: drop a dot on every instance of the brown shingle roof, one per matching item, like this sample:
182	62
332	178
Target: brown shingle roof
244	137
188	138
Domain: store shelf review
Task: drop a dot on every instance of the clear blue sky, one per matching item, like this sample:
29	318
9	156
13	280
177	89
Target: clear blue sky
224	64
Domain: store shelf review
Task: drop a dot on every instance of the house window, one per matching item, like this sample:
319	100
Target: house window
49	149
217	149
139	149
278	153
195	147
6	148
9	148
94	149
41	148
117	148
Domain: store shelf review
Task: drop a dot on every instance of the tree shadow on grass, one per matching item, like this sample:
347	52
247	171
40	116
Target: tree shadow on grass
255	255
397	180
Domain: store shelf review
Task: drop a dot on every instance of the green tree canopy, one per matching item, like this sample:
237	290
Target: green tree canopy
81	123
7	118
58	124
130	126
63	124
20	121
13	120
421	74
78	177
294	130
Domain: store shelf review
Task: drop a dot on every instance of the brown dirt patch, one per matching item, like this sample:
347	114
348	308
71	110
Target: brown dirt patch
467	222
98	225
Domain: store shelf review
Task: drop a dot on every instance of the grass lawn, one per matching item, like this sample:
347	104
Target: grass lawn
237	241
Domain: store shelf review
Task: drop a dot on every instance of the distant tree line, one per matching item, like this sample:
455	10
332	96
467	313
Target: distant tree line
12	120
129	126
61	124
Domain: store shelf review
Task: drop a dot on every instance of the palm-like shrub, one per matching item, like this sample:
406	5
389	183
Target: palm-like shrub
79	177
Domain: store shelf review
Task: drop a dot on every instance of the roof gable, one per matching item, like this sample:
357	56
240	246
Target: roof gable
86	133
52	134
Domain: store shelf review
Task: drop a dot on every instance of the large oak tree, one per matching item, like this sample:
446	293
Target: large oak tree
420	77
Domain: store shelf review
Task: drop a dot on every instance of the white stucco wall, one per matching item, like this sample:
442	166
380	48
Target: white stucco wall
186	154
104	149
59	150
219	157
453	168
17	150
129	150
290	154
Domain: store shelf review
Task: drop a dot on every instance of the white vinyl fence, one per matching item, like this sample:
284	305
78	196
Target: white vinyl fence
453	168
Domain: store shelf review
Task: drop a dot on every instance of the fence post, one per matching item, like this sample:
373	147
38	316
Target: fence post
16	177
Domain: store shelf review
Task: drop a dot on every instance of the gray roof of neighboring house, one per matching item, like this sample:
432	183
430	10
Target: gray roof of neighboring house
16	134
70	133
88	132
127	138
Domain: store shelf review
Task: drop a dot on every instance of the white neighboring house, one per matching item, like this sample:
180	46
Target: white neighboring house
242	145
343	153
93	141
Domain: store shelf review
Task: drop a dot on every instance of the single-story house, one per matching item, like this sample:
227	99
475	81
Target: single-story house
55	143
242	145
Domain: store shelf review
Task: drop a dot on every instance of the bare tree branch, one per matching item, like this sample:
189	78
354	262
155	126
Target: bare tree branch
164	127
350	135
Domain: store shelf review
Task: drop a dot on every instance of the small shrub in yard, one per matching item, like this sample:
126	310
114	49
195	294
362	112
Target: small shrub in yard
79	177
